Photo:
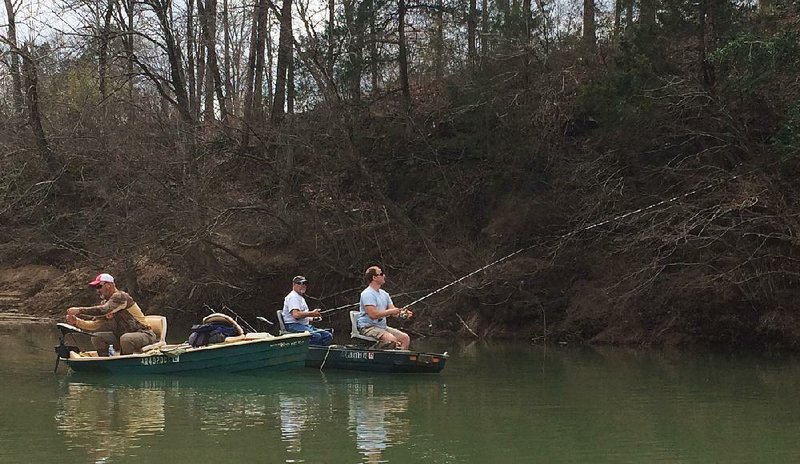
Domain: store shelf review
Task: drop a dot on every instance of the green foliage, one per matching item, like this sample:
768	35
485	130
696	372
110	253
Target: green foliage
787	140
615	96
748	61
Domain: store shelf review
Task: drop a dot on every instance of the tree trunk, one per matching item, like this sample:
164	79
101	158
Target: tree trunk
617	19
34	115
285	45
230	94
213	78
248	105
128	45
373	50
163	11
528	19
484	29
102	53
194	99
402	53
589	34
331	36
354	48
261	71
16	80
438	66
706	35
290	86
472	30
647	13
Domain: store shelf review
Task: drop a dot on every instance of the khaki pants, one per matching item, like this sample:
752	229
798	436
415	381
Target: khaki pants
131	342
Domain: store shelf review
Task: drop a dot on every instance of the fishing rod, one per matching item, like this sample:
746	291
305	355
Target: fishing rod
575	232
326	311
239	319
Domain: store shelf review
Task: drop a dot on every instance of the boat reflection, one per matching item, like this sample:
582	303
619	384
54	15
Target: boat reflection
107	422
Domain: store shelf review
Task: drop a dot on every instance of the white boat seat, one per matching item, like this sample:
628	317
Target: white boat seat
354	333
281	325
159	326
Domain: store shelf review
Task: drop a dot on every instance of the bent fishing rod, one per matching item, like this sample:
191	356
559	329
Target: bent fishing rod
575	232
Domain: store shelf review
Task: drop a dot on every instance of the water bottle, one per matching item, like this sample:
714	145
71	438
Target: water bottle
111	351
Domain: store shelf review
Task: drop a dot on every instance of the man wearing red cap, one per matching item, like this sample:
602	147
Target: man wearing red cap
117	321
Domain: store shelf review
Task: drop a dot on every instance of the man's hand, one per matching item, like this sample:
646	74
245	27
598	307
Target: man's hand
406	314
73	311
71	319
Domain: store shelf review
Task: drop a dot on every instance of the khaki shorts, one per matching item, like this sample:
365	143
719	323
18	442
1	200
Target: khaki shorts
377	332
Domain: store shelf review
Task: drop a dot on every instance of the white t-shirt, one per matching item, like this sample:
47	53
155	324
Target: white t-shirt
292	301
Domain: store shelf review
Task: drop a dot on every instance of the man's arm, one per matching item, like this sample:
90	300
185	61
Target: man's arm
374	313
298	314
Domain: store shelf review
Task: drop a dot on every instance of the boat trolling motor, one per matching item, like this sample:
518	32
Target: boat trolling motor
62	349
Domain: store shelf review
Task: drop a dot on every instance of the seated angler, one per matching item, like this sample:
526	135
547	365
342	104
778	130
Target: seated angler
297	316
117	321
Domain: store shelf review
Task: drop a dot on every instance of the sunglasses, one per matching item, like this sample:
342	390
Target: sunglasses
302	282
380	274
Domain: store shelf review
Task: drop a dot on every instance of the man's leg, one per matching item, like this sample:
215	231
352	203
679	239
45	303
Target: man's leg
320	337
132	342
102	340
401	338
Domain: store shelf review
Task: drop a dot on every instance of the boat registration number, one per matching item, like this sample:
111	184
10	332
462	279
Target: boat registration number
157	360
359	355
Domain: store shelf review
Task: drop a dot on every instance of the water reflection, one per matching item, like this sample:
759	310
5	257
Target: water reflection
376	418
108	421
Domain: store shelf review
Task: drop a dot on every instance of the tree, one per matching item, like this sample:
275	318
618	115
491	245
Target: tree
589	34
11	38
285	46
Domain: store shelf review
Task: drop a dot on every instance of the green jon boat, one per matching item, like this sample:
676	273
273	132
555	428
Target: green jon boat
244	352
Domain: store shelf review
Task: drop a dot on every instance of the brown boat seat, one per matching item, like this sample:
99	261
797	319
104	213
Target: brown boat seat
159	326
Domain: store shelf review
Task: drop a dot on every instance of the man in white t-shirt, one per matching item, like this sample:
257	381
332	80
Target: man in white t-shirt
375	306
297	316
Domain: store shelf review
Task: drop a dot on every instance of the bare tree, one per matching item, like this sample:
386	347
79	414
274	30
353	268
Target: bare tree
104	38
30	74
472	30
16	81
177	80
402	57
589	33
191	44
285	46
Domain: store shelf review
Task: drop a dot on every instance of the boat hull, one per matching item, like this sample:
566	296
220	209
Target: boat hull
348	357
261	354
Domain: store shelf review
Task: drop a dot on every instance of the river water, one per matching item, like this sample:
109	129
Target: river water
493	403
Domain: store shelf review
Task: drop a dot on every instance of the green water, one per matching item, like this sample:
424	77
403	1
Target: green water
496	403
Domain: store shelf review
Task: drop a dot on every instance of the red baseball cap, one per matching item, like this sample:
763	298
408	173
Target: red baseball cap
100	279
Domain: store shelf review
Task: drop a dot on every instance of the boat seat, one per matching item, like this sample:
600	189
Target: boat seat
281	325
354	333
159	326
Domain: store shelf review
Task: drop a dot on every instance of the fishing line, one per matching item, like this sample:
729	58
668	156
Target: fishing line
575	232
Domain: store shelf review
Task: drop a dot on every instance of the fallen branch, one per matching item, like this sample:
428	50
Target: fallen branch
466	326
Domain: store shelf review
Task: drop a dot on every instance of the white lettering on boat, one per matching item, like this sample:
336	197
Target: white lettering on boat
156	360
359	355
